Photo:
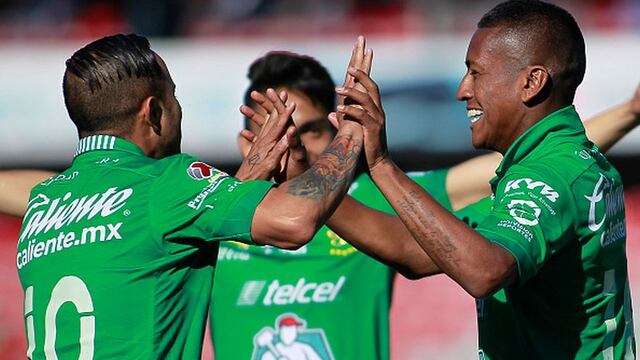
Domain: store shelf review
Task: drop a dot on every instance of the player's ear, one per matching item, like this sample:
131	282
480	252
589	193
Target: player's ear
536	85
152	113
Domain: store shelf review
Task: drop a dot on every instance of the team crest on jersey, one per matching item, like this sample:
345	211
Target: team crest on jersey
290	339
339	247
200	171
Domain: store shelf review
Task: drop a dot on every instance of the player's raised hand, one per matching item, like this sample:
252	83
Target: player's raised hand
366	109
361	59
266	158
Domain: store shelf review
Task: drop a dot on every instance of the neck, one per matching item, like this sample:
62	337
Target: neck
529	117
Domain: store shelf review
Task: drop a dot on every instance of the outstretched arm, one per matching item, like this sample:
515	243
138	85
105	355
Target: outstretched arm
15	187
607	128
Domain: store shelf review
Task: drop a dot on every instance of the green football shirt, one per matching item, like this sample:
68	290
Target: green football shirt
326	300
559	210
116	254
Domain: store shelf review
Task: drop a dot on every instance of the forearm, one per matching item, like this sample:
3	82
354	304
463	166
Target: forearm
15	187
478	265
609	127
381	236
292	213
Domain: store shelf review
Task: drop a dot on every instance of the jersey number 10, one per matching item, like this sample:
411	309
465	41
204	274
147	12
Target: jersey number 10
68	289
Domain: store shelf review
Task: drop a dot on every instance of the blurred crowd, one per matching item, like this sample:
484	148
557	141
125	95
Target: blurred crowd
26	19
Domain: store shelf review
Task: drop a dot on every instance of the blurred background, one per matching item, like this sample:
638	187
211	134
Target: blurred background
419	50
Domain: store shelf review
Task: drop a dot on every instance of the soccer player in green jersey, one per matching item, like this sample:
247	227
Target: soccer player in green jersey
116	254
555	237
244	309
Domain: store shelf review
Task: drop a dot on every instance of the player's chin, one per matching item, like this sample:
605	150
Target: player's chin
476	139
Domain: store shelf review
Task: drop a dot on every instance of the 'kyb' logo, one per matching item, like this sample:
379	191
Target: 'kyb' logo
291	339
44	213
545	190
302	292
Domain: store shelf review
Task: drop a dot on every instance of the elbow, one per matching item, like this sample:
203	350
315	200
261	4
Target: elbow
411	275
296	239
487	282
293	233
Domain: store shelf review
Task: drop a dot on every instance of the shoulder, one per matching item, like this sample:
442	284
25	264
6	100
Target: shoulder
185	167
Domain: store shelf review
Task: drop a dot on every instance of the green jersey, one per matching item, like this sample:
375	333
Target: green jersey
116	254
558	208
324	301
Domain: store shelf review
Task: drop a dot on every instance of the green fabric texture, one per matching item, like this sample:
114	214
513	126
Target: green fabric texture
117	253
334	298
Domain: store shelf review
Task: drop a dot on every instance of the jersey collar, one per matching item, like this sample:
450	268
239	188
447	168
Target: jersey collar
565	120
105	143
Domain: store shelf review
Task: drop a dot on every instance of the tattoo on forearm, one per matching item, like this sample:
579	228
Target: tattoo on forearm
421	222
331	171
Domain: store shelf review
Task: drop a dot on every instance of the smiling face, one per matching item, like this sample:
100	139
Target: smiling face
492	90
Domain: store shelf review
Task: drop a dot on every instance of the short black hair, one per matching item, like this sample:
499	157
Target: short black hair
106	81
549	28
294	71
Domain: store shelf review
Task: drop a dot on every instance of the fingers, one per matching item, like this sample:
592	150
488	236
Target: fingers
252	115
367	61
248	135
294	139
333	119
284	96
261	100
360	98
357	57
370	85
354	112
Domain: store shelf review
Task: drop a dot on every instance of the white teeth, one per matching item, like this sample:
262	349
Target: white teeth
474	115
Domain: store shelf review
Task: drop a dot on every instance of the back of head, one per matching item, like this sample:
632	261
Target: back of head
106	81
295	72
549	36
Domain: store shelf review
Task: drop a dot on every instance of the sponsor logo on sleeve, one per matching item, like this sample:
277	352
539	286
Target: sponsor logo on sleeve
526	183
536	194
526	212
200	171
291	339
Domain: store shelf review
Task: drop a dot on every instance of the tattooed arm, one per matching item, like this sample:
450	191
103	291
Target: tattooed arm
475	263
290	215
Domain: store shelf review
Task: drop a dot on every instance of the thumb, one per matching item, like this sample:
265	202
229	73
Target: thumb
333	119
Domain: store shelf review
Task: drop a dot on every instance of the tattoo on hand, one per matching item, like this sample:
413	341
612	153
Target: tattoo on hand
330	172
254	160
423	224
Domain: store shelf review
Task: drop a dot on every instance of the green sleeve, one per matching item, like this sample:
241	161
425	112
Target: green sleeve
365	190
475	213
192	200
532	218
